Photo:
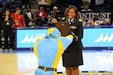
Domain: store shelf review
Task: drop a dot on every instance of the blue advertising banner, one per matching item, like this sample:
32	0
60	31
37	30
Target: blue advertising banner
27	38
93	37
98	37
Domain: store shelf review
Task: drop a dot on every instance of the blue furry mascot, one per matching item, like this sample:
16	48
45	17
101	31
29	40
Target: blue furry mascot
49	50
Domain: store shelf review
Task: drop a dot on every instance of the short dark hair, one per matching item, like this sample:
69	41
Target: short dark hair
18	8
69	8
28	7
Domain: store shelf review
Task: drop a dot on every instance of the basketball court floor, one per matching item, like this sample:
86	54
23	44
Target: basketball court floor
25	63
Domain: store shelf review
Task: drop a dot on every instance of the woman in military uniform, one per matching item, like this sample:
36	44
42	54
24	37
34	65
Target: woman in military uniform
72	57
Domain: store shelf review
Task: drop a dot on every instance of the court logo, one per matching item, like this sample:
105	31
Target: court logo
30	61
32	38
105	61
106	38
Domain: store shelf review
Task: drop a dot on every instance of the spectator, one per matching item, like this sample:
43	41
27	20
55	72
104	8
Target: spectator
54	11
91	23
107	22
86	8
8	30
41	16
95	18
28	16
53	15
18	19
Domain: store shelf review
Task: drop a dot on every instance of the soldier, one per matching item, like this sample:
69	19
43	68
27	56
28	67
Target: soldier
72	56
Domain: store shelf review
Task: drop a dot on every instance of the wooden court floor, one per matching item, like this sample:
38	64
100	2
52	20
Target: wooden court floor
9	66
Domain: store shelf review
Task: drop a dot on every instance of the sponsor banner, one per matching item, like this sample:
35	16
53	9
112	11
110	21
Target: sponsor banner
98	37
93	61
93	37
27	38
